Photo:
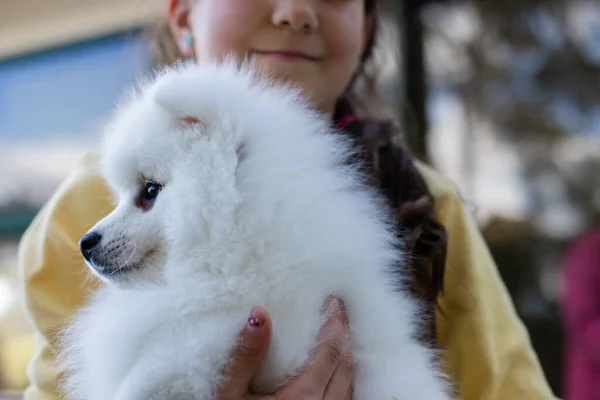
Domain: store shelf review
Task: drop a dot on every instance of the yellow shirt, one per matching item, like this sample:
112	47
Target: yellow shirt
487	351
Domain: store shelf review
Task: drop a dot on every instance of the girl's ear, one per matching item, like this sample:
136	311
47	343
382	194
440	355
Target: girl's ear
179	12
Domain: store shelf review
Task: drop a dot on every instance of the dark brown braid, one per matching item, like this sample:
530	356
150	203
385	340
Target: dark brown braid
396	175
422	237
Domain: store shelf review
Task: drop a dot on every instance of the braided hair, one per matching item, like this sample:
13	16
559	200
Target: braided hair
396	175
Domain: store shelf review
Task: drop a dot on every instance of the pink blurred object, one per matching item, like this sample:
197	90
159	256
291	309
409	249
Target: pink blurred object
581	310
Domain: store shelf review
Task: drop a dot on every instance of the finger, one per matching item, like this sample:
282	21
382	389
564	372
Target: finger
249	353
325	358
340	385
261	397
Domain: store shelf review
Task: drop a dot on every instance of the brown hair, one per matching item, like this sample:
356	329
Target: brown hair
399	179
391	166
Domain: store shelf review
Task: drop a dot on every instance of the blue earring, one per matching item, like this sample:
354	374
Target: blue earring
187	42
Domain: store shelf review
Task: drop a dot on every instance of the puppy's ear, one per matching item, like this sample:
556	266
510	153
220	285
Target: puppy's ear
190	120
193	121
176	93
179	101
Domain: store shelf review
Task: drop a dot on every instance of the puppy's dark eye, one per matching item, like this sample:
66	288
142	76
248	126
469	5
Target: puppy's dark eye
151	191
147	195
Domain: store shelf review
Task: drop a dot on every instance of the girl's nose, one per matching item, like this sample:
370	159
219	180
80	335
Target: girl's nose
298	15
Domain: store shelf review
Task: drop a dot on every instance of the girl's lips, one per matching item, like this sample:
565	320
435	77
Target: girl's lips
287	55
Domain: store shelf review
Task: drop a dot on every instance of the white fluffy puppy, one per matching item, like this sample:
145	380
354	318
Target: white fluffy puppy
233	193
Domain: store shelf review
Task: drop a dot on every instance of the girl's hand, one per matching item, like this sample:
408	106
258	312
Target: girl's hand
327	376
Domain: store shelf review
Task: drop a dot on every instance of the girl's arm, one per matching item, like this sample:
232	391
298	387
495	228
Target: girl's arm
487	349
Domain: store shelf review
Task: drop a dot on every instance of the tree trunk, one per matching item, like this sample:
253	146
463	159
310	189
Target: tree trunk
413	104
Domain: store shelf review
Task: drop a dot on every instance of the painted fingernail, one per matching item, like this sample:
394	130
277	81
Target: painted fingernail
331	305
327	304
254	321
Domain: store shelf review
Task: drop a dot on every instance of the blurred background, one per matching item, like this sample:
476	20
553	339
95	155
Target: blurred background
501	96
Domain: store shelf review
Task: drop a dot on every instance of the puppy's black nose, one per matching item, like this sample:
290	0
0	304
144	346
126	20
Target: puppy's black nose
88	242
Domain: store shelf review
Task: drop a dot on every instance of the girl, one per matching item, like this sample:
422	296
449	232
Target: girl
321	46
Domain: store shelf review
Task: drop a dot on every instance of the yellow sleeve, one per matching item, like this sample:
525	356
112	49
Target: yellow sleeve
54	281
487	351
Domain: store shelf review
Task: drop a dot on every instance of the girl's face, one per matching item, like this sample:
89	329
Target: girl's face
314	44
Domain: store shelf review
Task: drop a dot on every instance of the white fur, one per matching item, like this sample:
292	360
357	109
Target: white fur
259	207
